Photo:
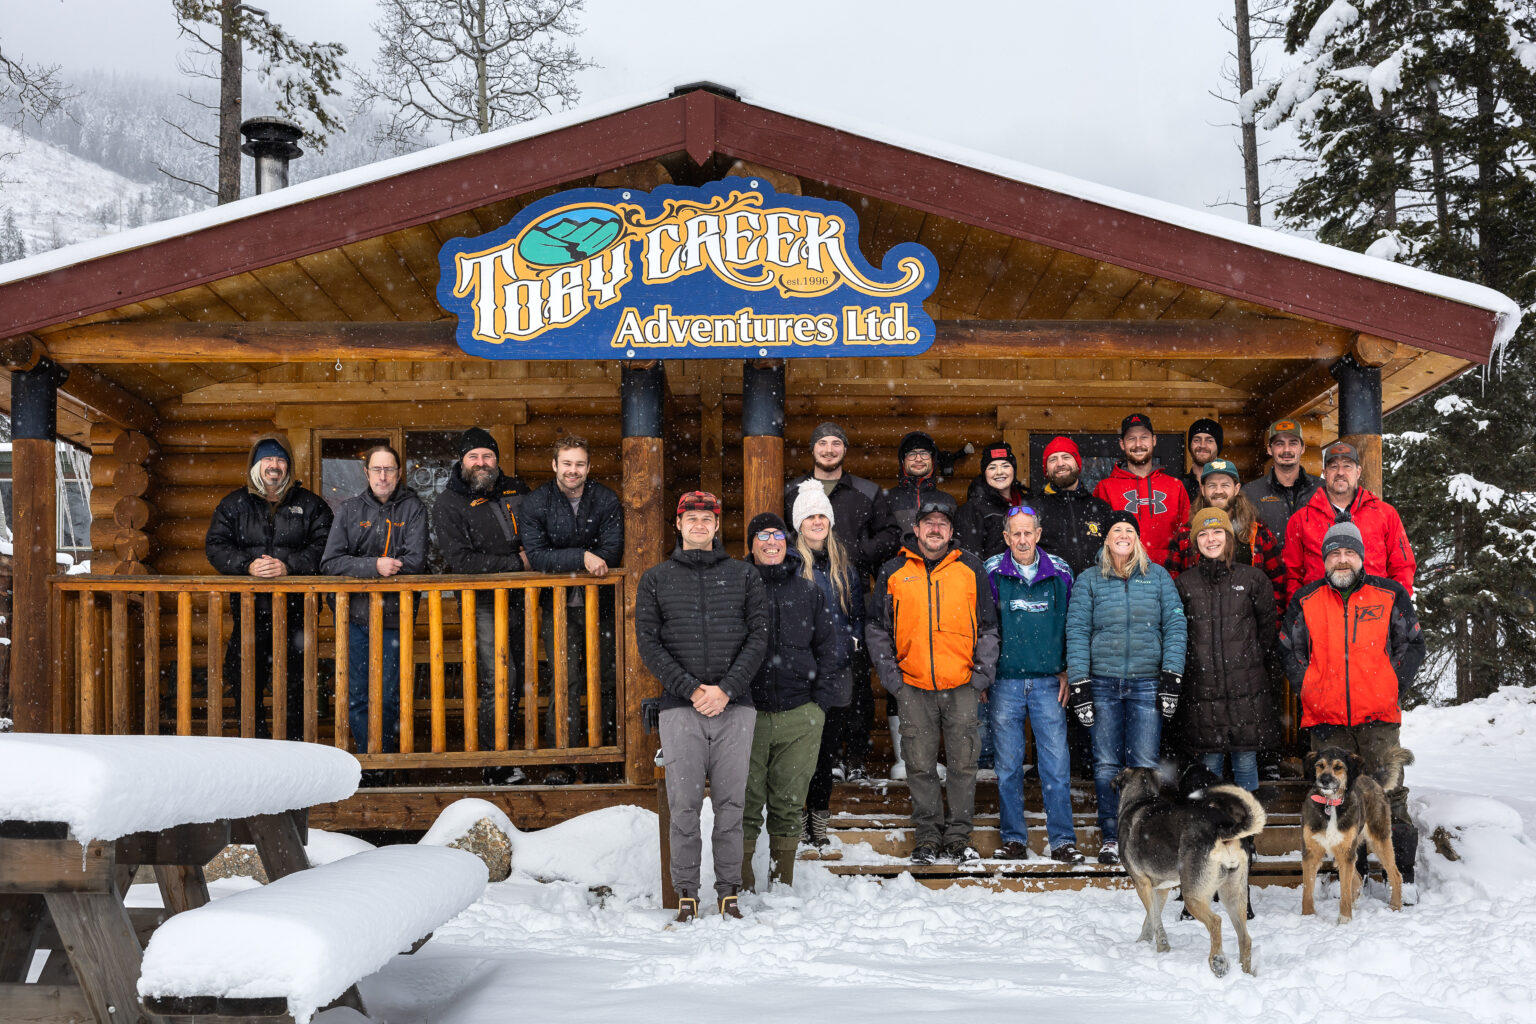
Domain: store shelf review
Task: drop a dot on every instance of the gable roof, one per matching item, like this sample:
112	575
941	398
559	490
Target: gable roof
1259	265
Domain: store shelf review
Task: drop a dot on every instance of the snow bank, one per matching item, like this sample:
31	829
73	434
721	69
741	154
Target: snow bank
104	787
310	935
614	846
328	847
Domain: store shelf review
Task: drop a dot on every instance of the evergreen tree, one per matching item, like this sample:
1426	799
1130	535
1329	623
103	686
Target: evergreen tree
1414	117
12	245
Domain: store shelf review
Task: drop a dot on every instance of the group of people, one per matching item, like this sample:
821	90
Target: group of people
484	521
1152	601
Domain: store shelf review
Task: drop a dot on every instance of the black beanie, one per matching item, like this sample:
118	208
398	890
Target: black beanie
915	441
1205	426
998	450
764	521
1121	517
474	438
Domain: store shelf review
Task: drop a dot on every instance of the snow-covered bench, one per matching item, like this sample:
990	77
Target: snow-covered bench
301	943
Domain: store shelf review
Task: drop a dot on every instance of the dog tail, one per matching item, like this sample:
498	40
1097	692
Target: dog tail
1243	816
1390	772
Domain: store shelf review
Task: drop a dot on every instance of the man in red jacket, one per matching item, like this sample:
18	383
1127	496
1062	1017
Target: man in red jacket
1341	499
1137	486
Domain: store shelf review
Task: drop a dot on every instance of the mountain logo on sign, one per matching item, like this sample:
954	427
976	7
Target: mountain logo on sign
570	236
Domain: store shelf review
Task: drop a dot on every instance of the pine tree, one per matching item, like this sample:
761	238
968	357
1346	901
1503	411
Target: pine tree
12	245
1413	118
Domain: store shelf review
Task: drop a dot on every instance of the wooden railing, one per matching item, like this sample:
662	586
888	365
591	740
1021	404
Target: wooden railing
145	654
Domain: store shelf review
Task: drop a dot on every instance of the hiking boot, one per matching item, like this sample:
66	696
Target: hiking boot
1067	853
839	773
805	827
1109	853
728	907
857	772
962	852
818	829
1013	850
687	909
559	777
926	853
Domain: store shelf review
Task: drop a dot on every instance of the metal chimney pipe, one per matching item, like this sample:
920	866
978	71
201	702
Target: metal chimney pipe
273	141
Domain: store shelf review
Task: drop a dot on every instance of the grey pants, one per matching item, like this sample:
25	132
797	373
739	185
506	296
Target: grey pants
1372	741
926	716
717	750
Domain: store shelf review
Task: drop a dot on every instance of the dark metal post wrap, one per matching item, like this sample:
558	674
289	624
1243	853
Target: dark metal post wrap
642	391
1359	397
34	400
762	399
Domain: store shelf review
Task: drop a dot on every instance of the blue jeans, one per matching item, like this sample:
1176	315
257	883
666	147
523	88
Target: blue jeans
1127	728
357	687
1011	702
1245	767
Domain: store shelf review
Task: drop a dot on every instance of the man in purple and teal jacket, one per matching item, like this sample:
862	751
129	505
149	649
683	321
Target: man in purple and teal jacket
1032	588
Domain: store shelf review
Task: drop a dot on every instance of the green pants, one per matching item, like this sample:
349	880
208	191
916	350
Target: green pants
1372	741
784	749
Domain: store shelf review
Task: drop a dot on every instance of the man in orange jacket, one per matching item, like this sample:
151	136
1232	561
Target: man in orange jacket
1353	640
1342	499
933	637
1157	499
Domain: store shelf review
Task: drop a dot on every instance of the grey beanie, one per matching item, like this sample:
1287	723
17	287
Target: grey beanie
1344	535
829	430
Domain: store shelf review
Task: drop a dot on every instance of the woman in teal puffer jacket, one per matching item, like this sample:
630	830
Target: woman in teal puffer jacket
1126	637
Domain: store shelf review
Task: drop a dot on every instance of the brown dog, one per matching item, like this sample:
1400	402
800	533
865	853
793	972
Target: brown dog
1345	808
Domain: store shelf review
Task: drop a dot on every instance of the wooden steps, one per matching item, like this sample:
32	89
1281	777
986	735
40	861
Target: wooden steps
874	818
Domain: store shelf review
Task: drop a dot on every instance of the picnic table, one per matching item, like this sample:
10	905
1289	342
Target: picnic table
80	814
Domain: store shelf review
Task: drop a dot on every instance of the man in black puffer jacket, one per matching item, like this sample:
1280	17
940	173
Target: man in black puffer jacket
701	624
475	522
799	680
271	527
575	525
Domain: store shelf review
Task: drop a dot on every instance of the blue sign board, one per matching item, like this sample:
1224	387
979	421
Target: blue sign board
728	270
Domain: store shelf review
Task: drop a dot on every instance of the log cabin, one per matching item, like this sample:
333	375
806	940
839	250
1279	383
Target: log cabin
314	310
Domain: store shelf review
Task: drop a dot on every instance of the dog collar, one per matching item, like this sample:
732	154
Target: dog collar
1326	802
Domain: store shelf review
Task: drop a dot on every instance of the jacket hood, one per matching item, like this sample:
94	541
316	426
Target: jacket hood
784	570
1121	473
1321	501
715	554
399	494
288	485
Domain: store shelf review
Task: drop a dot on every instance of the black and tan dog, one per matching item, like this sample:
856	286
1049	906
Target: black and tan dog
1194	842
1346	808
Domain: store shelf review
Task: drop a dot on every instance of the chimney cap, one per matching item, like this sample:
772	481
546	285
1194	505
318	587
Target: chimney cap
271	136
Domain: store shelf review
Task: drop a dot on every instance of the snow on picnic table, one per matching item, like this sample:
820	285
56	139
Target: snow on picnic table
311	934
849	950
105	787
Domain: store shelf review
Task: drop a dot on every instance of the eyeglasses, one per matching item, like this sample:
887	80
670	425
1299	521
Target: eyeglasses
384	470
769	535
1021	510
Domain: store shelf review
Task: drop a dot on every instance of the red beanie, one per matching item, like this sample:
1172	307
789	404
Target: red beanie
1061	444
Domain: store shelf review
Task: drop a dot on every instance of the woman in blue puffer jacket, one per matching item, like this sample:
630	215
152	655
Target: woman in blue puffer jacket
1126	637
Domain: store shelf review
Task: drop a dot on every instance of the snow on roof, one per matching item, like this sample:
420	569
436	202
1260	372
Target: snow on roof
311	934
105	787
1508	313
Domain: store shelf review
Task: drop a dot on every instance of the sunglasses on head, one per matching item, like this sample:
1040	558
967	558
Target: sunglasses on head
1021	510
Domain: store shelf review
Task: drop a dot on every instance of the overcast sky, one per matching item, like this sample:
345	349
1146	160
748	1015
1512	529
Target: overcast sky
1116	91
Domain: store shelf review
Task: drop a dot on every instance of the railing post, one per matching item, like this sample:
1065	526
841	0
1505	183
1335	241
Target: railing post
34	530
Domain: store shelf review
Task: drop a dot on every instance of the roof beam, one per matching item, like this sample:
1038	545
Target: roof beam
299	342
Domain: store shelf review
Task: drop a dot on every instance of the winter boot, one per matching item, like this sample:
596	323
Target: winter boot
781	855
748	879
728	907
898	766
819	831
687	908
1405	850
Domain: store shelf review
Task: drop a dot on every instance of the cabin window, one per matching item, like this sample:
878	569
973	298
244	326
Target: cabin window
342	475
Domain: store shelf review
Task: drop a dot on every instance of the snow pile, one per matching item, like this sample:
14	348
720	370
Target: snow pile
328	847
615	846
310	935
104	787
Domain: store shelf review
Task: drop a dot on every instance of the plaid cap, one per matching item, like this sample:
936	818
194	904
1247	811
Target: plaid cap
698	501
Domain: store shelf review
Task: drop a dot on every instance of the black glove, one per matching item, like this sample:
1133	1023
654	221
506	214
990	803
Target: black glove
1168	686
1080	699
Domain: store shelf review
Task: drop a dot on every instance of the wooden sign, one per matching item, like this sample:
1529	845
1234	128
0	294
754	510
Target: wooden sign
727	270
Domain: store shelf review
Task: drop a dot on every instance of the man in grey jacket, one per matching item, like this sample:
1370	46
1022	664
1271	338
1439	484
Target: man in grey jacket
379	533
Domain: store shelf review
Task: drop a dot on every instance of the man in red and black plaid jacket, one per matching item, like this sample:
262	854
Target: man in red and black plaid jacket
1256	545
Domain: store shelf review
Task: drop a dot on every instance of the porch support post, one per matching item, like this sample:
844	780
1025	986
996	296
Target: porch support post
1360	415
34	531
762	438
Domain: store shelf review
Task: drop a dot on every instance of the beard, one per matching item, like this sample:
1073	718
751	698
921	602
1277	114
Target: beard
1065	479
1343	579
481	480
829	465
1133	459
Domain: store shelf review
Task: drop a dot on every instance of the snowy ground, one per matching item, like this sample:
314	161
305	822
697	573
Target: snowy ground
840	950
